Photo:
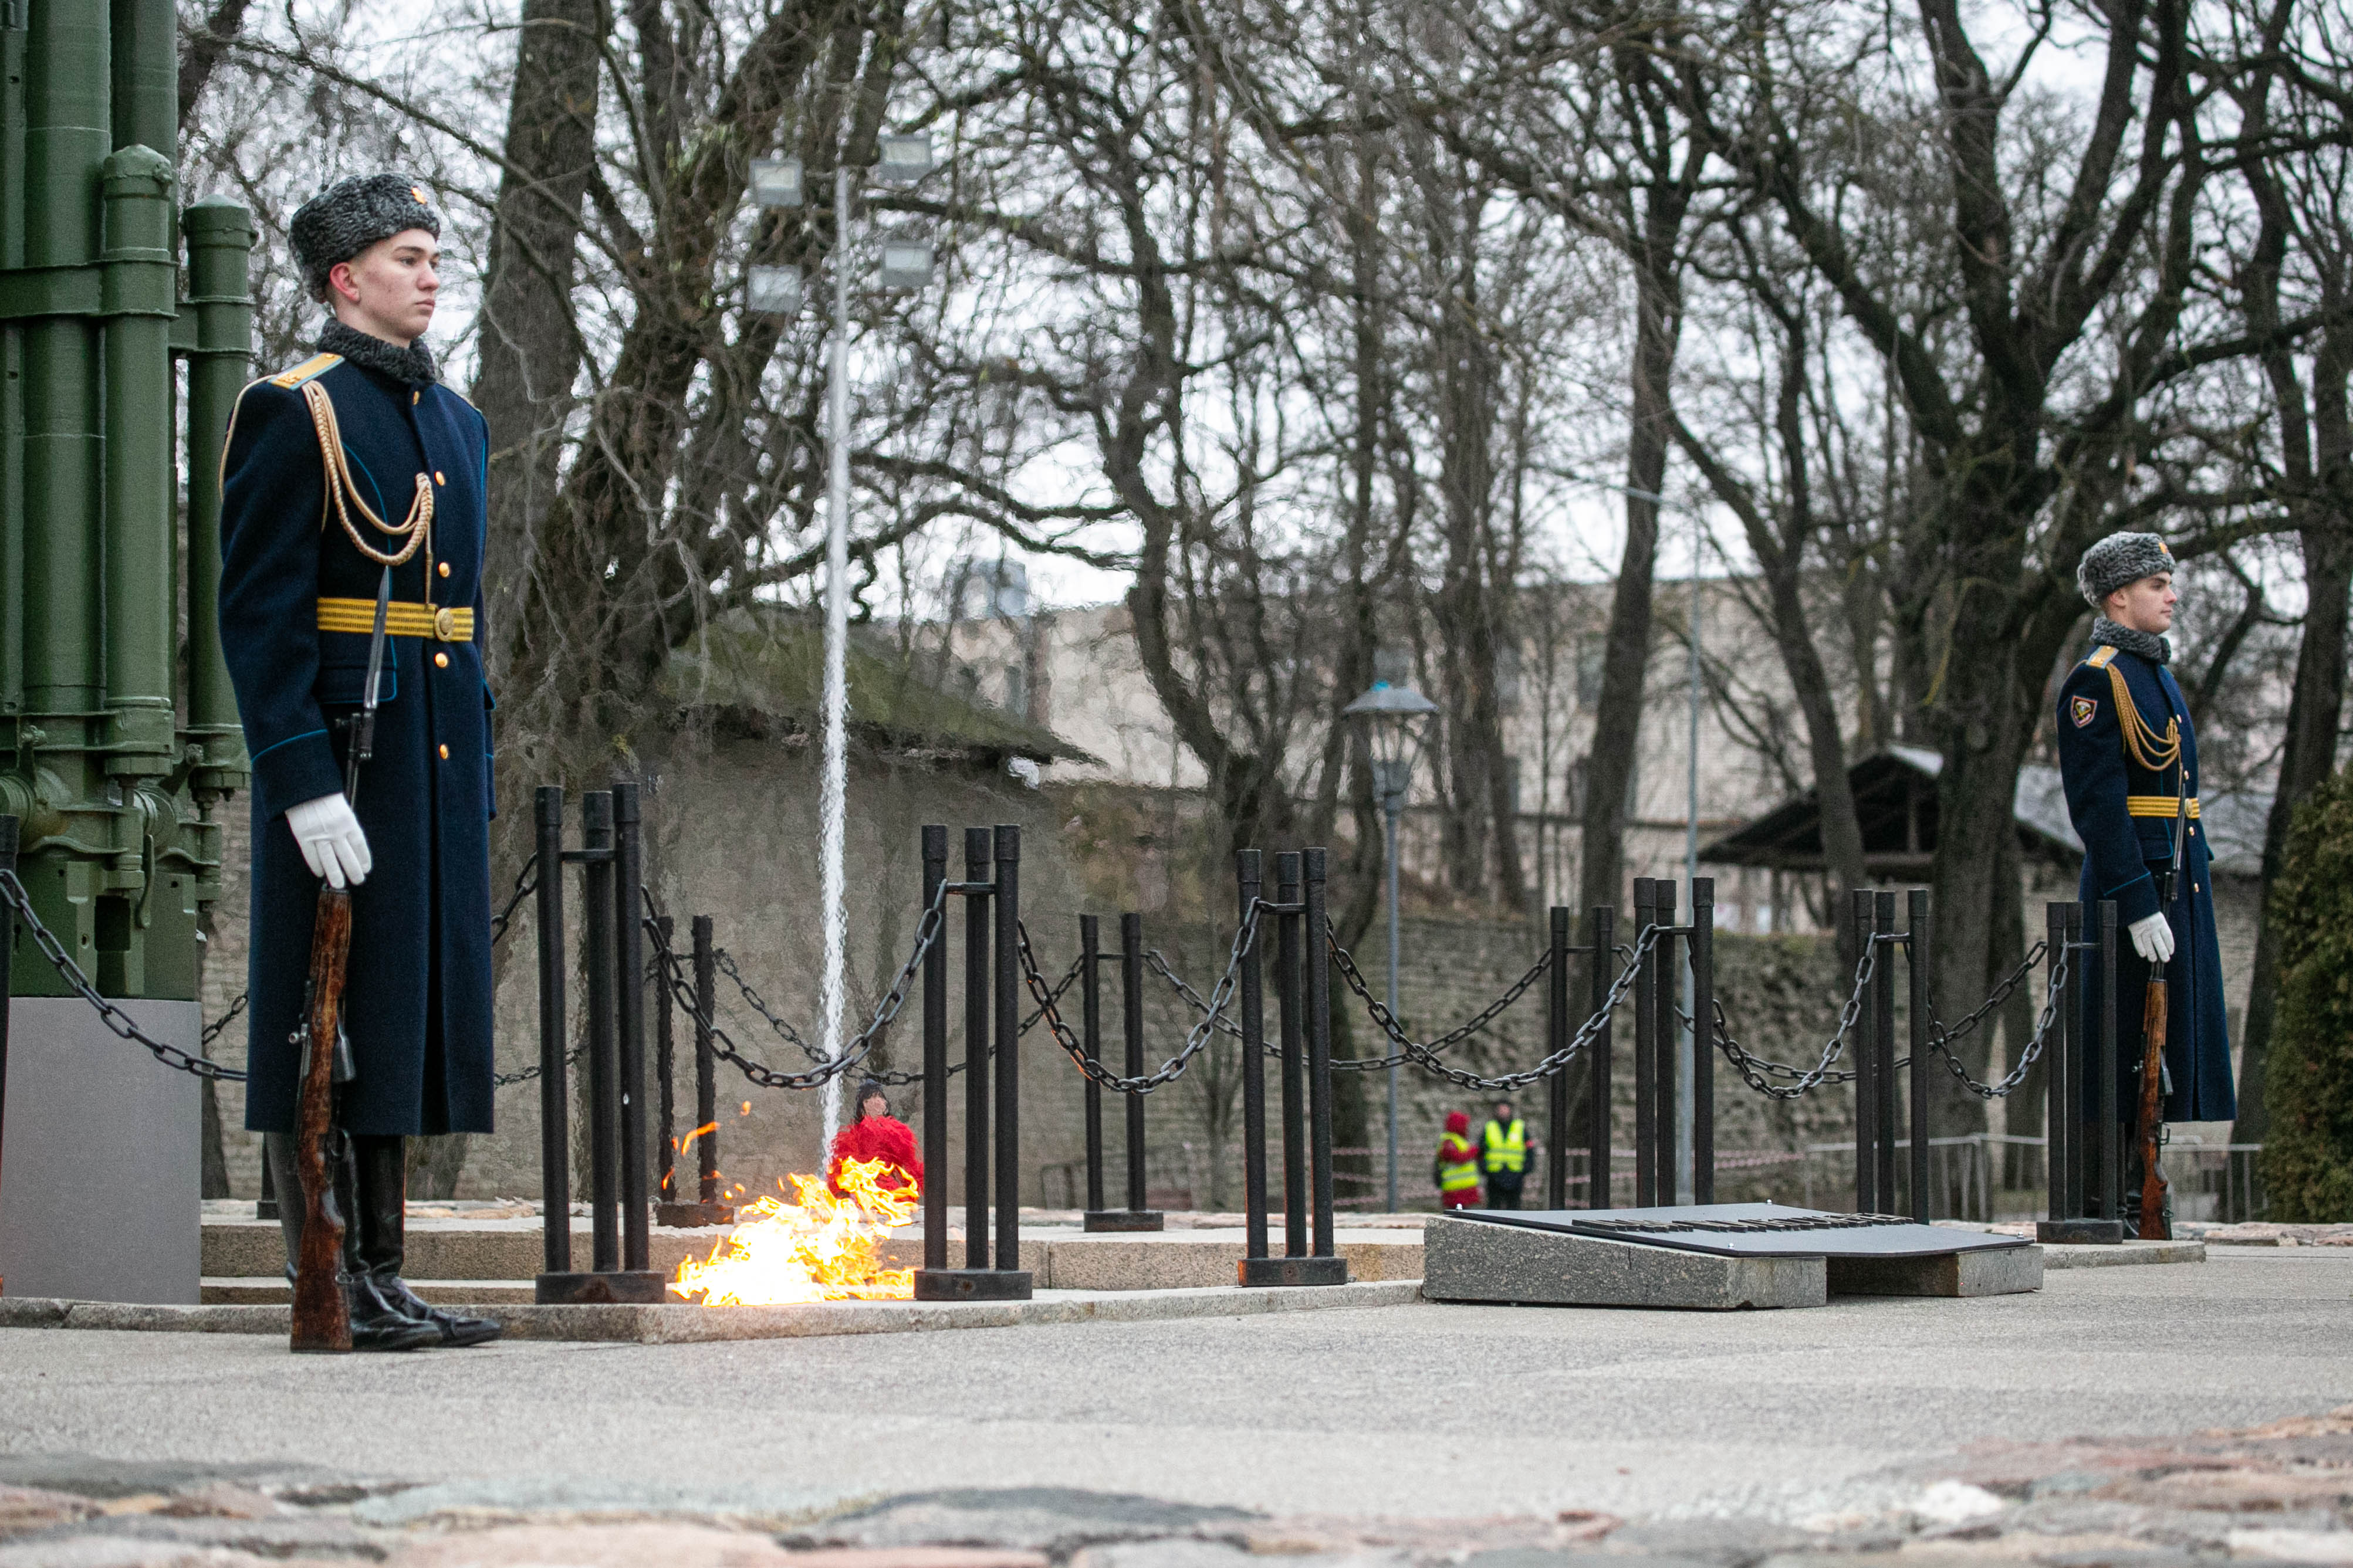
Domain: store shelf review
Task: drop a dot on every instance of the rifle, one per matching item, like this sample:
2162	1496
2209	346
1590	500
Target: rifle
2154	1187
321	1318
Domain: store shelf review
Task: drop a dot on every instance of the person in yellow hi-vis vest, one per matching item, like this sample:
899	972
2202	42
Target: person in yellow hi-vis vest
1504	1149
1456	1169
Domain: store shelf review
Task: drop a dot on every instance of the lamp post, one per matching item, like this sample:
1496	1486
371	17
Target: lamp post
1394	717
776	183
1686	1056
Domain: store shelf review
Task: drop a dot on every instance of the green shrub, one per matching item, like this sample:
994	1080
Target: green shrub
2308	1158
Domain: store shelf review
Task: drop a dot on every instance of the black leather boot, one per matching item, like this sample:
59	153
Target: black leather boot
376	1325
381	1225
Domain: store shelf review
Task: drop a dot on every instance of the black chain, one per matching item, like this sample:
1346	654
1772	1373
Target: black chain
213	1030
1423	1056
1758	1072
1940	1039
1160	966
1754	1071
1198	1038
682	989
526	883
113	1016
724	962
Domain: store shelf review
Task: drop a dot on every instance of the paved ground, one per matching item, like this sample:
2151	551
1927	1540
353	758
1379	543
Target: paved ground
1834	1415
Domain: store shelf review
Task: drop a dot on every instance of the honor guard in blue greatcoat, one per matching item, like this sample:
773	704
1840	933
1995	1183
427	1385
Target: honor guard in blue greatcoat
2129	760
354	461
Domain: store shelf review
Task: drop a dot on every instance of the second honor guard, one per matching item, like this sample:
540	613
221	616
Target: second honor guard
2128	758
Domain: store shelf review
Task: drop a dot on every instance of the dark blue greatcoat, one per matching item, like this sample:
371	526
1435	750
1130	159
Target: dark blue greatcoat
417	1006
2124	814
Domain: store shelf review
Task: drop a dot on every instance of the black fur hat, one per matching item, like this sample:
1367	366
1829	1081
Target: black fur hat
352	214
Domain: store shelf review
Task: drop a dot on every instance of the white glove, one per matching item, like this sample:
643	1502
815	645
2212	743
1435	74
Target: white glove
2152	937
332	845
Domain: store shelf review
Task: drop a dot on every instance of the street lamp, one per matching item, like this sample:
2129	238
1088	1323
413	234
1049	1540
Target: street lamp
777	182
1394	717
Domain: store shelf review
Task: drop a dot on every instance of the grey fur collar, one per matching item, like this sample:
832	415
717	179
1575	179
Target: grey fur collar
2148	645
411	366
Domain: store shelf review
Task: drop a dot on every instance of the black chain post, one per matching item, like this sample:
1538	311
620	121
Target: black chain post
1008	1046
665	1072
1866	1062
1556	1086
1918	955
2055	1077
706	1070
554	1093
1253	1021
1702	1087
1317	972
604	1068
630	1036
1883	1046
936	1061
1601	973
1091	1032
2112	1175
1646	1027
1289	928
979	907
1666	1038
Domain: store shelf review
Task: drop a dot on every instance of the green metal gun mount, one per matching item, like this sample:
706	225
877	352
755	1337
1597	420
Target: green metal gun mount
118	736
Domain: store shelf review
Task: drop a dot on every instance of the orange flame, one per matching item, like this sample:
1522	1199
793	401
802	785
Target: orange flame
823	1248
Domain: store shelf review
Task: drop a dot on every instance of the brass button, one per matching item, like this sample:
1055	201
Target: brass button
445	569
445	753
440	661
415	396
445	625
438	479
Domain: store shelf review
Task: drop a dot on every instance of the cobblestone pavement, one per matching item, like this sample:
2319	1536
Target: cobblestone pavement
2140	1417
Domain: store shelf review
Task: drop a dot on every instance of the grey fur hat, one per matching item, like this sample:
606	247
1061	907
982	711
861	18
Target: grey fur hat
352	214
2119	559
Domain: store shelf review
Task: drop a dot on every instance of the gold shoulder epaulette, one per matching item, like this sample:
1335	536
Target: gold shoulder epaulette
2100	657
316	365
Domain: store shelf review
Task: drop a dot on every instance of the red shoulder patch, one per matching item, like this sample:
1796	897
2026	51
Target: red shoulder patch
2085	710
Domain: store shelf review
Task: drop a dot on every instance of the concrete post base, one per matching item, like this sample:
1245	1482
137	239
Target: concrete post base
102	1174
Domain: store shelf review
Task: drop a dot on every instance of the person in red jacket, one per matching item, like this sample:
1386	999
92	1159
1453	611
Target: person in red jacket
876	1134
1456	1169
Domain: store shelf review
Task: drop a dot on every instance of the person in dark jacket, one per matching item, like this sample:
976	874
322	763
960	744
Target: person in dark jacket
354	461
2128	758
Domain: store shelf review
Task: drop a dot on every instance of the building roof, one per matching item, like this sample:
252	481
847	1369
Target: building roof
1895	802
767	666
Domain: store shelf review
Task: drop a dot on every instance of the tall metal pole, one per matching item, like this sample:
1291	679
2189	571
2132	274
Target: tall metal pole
1687	1041
1391	800
833	798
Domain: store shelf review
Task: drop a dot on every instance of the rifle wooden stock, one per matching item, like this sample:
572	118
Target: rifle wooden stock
322	1320
2153	1185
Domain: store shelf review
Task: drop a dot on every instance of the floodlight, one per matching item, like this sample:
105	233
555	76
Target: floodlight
774	290
776	182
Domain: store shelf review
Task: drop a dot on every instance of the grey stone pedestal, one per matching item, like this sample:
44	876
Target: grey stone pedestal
1470	1260
101	1166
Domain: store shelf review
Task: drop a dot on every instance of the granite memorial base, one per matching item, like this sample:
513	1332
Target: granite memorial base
1465	1260
1713	1257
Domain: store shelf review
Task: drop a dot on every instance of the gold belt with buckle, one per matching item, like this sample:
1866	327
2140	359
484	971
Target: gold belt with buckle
441	623
2159	806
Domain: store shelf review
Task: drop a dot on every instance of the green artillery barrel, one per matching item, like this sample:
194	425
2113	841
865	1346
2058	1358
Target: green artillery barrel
117	796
